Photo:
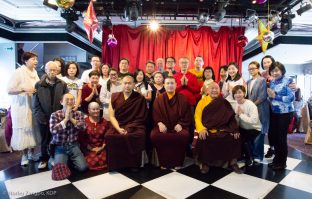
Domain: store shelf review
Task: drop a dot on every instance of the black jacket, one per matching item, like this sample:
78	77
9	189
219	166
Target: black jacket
42	101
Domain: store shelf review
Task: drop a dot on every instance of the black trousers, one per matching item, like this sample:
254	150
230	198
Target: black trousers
248	137
279	124
270	134
45	141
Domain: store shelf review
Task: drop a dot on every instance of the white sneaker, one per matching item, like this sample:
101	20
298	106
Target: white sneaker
42	165
24	161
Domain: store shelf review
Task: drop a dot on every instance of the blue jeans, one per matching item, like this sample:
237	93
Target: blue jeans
70	151
258	150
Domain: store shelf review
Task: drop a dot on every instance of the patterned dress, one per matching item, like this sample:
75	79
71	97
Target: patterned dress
94	137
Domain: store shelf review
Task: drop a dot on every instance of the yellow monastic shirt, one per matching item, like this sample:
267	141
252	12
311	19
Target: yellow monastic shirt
199	112
198	74
170	96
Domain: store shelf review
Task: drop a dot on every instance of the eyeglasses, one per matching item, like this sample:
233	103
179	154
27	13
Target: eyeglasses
113	74
251	69
170	61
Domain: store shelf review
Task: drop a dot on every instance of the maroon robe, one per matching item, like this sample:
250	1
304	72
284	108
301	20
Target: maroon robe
124	151
85	92
219	115
171	146
94	137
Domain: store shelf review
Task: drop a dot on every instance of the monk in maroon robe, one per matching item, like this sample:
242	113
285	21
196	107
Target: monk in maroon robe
218	136
125	140
172	118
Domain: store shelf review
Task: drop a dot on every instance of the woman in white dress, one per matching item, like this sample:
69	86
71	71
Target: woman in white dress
74	84
22	87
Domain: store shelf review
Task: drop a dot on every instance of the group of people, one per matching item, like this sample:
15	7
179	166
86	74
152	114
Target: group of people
113	119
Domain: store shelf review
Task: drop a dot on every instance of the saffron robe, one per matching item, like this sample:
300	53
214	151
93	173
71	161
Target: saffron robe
218	118
125	151
171	146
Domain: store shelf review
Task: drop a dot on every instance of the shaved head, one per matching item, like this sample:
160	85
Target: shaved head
213	90
93	105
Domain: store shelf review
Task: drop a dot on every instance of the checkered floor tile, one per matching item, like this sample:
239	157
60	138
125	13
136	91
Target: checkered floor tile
258	181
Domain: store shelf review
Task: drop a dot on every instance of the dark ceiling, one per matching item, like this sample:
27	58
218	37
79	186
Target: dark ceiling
184	8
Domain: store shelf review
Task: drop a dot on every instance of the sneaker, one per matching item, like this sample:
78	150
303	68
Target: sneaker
24	161
270	153
42	165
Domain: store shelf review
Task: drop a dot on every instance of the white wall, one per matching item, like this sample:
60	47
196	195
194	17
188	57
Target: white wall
7	67
52	50
293	57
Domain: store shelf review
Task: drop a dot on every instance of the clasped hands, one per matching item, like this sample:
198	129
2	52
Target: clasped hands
184	81
163	128
271	93
69	116
204	133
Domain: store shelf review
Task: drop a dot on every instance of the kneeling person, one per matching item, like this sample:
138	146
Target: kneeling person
65	125
172	118
125	140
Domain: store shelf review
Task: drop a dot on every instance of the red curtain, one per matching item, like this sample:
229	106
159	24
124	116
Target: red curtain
140	44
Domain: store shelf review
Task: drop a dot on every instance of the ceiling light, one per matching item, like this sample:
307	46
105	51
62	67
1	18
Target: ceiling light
203	17
131	12
220	14
251	16
50	4
286	24
303	8
154	25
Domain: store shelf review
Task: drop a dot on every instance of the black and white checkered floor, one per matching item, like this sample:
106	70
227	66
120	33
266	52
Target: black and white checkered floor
258	181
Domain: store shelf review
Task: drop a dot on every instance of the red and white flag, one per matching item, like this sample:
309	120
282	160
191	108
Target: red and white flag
90	22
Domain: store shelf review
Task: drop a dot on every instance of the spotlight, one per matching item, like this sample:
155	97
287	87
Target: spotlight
220	14
154	25
70	16
251	16
203	17
303	8
131	12
70	26
286	24
50	4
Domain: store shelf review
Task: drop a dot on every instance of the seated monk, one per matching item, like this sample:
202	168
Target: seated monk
125	139
218	142
172	118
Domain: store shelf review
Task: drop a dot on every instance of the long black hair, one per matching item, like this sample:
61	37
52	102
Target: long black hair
109	83
209	68
237	76
144	78
267	56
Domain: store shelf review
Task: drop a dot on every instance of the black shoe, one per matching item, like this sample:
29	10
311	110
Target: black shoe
270	153
271	164
249	162
279	167
134	170
236	169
